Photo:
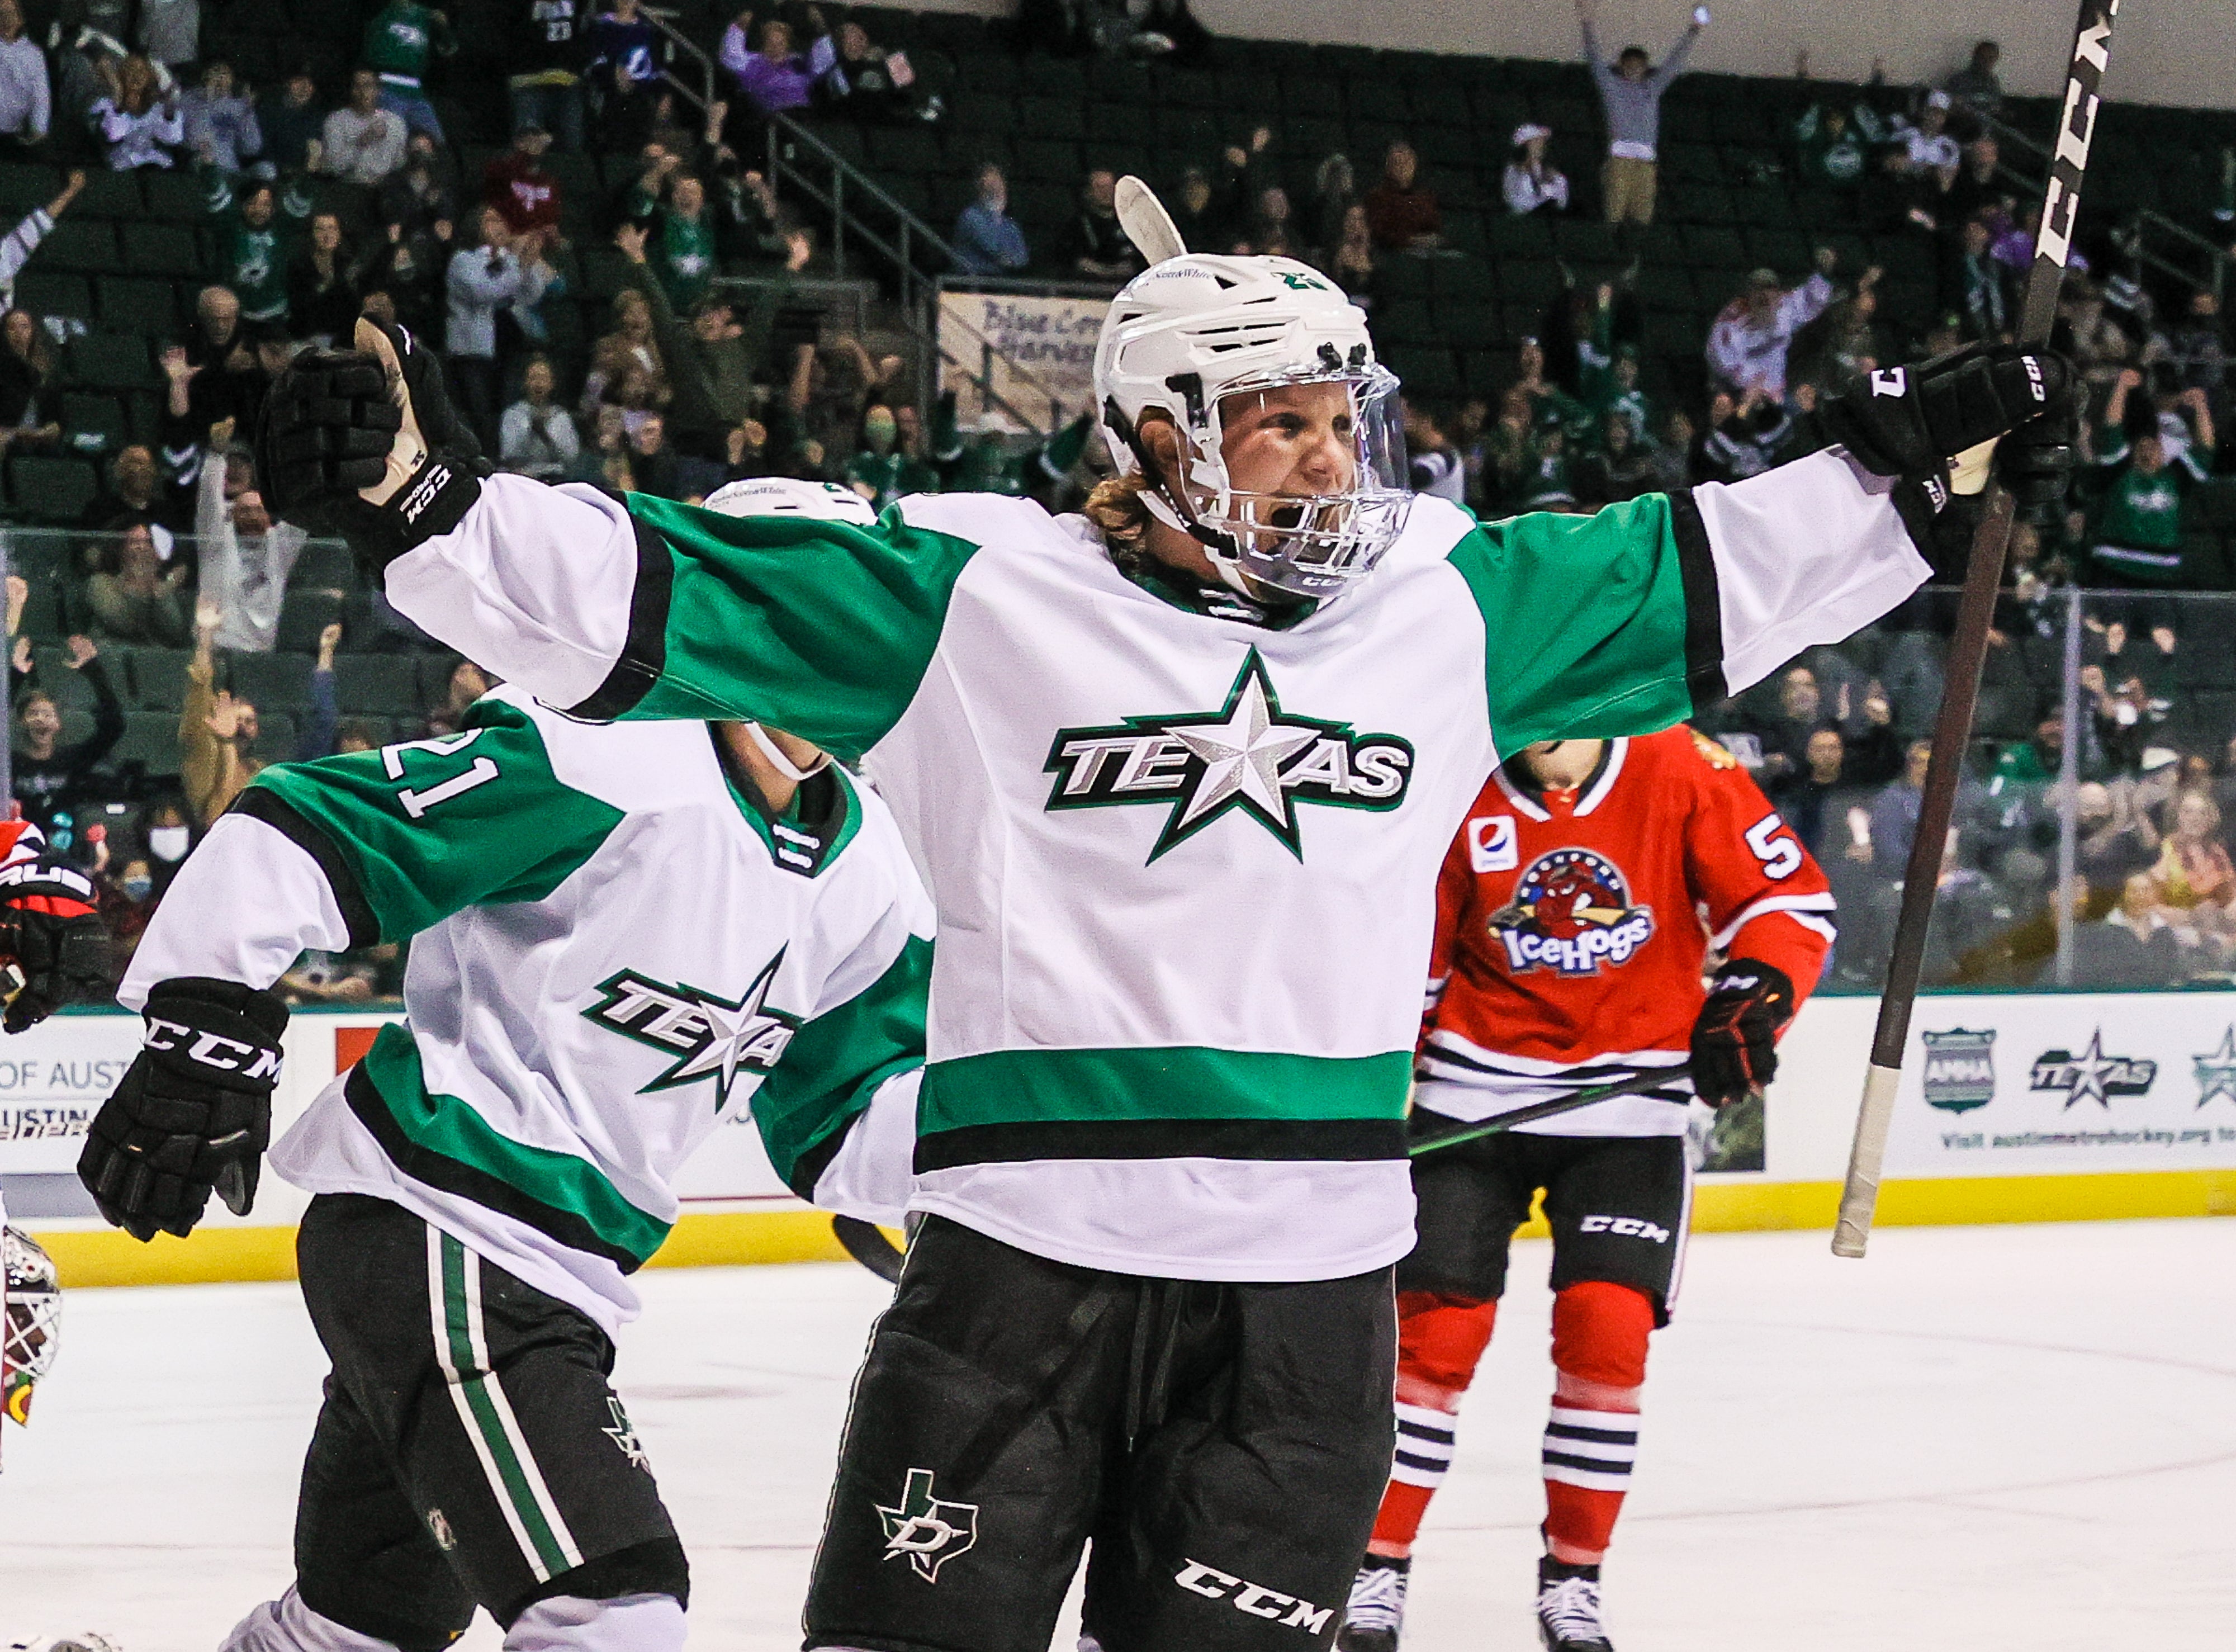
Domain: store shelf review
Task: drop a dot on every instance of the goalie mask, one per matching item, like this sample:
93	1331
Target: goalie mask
31	1319
1199	341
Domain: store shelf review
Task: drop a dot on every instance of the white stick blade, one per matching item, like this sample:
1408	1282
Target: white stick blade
1145	222
1859	1198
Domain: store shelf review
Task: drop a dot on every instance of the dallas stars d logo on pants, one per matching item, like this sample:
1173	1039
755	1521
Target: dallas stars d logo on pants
929	1531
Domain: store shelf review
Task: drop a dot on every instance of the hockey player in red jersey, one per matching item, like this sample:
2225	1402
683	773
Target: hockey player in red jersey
1575	914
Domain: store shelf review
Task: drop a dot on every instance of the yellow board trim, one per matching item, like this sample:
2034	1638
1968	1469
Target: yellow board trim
738	1238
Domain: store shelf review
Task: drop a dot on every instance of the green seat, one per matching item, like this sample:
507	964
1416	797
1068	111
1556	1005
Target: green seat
44	293
87	244
109	195
153	248
159	679
111	361
303	615
23	187
270	681
376	684
138	304
93	423
177	197
51	490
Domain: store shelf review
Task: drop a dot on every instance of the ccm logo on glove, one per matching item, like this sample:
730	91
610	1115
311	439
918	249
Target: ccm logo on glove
210	1048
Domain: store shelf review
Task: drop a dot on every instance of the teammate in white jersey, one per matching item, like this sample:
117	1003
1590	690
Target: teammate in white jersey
1181	776
624	936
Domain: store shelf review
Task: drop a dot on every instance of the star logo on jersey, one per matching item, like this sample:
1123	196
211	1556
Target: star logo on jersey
929	1530
1571	912
1250	757
710	1037
2092	1075
2216	1073
622	1432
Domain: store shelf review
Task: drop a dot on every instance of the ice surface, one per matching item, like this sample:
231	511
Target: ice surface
2016	1438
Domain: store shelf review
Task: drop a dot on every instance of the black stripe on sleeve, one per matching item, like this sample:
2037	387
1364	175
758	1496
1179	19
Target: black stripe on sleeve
261	803
807	1169
644	652
1704	621
448	1175
1335	1140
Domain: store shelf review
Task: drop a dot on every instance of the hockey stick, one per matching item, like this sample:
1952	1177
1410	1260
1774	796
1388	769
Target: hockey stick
866	1243
1968	650
1633	1086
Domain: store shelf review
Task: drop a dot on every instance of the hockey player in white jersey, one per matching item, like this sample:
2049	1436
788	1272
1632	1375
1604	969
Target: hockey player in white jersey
624	936
1181	772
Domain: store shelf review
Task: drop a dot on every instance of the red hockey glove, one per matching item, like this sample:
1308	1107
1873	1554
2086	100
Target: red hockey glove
53	937
1735	1036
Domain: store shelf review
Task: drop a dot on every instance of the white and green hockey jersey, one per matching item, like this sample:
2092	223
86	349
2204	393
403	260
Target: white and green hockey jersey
1184	852
613	951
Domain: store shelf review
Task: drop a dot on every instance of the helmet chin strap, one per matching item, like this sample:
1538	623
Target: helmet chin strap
782	764
1169	505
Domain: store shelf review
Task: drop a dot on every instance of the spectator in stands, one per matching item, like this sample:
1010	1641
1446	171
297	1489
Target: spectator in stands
252	257
1335	191
1920	168
547	58
1974	287
683	254
1196	211
1403	216
26	102
711	364
139	122
245	556
536	437
2199	349
1618	467
1436	466
322	717
134	598
1532	182
2133	946
400	41
135	491
1747	345
1099	248
829	391
863	79
888	463
1744	435
221	123
27	399
1270	231
986	239
1351	262
421	199
1630	97
2136	532
49	775
127	902
1831	149
215	377
1976	86
365	140
1173	22
2109	848
520	186
630	347
623	68
482	279
1815	796
1619	389
775	77
217	730
1977	192
322	300
2193	882
291	126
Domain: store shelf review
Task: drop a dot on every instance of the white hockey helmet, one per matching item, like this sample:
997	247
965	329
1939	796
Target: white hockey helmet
1196	329
785	496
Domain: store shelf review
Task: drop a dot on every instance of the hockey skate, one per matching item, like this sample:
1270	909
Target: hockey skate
1376	1610
1569	1607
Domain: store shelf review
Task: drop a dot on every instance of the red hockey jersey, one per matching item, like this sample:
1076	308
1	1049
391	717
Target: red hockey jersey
1572	928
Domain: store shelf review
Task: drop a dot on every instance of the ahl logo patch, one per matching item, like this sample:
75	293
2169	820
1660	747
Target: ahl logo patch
1249	755
2092	1075
929	1530
1571	911
709	1036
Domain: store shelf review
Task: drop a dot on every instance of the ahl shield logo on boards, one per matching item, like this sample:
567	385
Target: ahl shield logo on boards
1250	756
710	1037
2092	1075
929	1530
1571	912
1960	1069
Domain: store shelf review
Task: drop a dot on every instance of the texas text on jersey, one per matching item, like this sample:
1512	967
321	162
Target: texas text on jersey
1572	927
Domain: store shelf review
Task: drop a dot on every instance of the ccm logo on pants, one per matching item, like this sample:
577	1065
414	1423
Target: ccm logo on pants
1626	1227
1254	1598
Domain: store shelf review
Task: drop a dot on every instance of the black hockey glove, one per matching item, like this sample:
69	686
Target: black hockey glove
1910	422
1735	1036
364	443
194	1112
51	930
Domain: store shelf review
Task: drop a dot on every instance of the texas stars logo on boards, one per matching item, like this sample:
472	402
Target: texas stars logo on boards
2092	1075
710	1037
1571	911
1249	755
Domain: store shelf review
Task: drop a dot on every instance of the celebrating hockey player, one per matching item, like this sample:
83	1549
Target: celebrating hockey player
1180	772
1575	915
625	935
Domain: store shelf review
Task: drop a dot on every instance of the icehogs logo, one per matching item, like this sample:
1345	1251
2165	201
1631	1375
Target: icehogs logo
1571	911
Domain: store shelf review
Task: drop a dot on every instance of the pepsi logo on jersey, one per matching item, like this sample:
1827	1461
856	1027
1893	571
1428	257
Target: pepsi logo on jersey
1572	912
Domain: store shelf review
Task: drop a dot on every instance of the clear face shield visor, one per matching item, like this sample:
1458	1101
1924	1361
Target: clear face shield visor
1330	469
30	1321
